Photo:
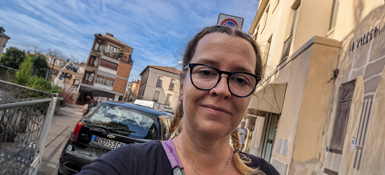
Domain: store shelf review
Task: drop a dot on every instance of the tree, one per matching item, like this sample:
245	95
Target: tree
24	77
56	54
13	57
24	72
40	65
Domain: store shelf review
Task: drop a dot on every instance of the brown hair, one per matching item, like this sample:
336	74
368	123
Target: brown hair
239	162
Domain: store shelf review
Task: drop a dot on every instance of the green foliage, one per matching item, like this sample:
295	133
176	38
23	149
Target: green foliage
40	65
24	72
13	57
24	77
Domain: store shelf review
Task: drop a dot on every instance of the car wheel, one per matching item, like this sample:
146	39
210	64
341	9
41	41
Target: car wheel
58	173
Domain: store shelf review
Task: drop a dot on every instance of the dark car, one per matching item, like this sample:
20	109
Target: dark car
111	125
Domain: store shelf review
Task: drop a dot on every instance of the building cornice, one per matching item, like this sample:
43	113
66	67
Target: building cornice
257	18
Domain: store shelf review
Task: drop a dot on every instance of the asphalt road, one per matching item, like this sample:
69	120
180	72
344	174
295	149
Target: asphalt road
63	123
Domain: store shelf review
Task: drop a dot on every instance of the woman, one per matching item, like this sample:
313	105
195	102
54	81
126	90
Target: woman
222	66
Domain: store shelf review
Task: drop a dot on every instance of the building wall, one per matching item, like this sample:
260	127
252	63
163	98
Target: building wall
124	70
310	106
120	85
365	65
164	90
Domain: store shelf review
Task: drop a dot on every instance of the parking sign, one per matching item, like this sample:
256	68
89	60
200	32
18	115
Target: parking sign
229	20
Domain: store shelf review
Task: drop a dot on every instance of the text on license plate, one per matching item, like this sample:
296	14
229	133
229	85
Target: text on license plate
106	142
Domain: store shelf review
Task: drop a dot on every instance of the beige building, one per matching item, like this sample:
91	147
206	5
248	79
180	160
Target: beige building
3	40
67	76
160	84
317	109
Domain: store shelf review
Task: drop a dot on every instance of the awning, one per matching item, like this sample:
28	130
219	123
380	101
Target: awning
270	98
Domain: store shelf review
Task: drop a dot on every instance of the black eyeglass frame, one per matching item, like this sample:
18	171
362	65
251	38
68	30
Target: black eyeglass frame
192	65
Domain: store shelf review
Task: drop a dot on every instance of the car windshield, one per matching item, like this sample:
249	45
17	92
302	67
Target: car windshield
123	120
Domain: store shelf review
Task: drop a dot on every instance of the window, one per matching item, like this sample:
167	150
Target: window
109	64
98	45
333	17
172	83
256	34
362	130
167	99
342	117
267	51
159	82
265	17
112	49
54	72
287	43
92	61
156	96
276	5
122	119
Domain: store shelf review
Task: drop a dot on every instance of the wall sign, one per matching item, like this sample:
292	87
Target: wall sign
364	38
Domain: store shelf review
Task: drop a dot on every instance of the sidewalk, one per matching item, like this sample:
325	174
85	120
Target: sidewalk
62	125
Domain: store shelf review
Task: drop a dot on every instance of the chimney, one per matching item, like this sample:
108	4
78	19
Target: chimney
109	34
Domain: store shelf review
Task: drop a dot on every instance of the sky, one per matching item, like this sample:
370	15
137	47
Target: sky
157	30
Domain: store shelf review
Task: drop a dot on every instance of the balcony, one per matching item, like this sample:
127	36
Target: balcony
120	57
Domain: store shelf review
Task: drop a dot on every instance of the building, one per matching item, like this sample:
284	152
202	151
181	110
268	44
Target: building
67	75
107	69
318	108
133	90
160	84
3	40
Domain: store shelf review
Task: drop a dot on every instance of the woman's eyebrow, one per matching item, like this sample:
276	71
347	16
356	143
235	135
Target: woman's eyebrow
216	64
209	62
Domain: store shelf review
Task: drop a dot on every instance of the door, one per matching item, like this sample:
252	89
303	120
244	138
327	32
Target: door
269	138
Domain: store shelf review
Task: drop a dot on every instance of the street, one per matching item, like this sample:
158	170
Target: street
63	123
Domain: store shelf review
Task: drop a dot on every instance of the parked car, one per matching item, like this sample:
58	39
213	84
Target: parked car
111	125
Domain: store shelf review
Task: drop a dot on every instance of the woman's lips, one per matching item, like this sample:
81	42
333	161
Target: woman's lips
216	110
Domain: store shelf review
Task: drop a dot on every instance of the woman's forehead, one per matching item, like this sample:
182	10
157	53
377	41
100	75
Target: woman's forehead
219	49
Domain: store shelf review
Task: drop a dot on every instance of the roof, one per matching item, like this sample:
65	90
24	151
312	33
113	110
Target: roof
111	38
137	107
173	70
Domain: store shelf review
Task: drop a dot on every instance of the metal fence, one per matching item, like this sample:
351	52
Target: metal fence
25	116
7	74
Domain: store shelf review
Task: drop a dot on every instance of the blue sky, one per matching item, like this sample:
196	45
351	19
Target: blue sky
157	30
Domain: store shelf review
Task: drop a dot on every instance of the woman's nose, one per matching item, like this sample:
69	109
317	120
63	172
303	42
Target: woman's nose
222	88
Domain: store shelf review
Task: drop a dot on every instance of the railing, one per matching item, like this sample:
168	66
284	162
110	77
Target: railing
7	74
25	117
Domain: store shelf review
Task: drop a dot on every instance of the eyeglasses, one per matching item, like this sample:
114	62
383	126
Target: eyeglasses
205	77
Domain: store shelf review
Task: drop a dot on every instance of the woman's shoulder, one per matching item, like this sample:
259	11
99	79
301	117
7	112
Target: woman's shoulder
144	158
261	164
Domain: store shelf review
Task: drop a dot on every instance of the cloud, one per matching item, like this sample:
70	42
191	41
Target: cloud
153	27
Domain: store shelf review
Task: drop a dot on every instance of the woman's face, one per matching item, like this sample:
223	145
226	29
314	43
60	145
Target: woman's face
217	113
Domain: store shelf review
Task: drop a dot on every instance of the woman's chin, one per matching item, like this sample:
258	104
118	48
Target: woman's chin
214	131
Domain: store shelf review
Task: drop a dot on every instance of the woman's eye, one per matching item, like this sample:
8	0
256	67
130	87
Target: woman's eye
206	72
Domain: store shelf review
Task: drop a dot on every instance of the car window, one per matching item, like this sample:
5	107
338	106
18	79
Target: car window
123	120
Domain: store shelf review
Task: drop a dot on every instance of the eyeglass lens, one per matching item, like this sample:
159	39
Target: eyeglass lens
206	78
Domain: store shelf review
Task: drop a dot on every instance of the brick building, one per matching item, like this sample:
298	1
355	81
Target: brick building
107	69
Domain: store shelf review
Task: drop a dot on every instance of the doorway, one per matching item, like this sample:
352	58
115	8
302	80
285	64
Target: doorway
270	130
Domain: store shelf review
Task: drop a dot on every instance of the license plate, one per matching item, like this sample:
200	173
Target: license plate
106	142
